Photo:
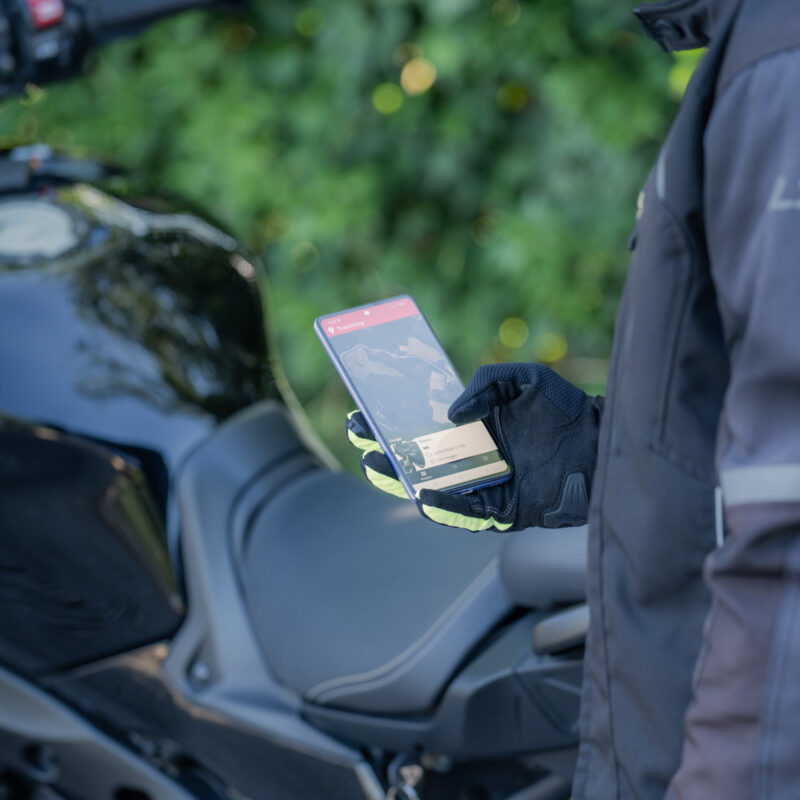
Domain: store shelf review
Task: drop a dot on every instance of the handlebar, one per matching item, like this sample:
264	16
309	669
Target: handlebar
46	40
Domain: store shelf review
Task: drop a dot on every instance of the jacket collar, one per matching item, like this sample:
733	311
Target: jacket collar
682	24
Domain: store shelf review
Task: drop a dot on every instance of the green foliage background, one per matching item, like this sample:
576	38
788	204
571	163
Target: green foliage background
503	193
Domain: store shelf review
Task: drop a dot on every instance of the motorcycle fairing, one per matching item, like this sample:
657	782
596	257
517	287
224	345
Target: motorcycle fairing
84	569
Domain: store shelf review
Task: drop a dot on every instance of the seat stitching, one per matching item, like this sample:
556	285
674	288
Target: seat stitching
472	588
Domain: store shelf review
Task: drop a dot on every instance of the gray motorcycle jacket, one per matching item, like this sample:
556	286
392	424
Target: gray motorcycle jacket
692	681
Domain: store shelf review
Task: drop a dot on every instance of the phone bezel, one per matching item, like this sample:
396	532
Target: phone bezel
465	488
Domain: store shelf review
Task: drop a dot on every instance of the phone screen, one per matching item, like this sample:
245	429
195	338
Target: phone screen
404	384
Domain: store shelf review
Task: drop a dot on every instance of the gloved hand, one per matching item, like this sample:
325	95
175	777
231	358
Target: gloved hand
546	429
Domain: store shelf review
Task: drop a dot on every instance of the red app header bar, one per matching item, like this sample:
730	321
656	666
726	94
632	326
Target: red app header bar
370	316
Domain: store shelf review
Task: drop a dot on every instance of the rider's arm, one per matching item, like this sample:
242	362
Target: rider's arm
743	725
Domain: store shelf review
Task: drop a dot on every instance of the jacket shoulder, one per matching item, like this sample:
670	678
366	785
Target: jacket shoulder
763	28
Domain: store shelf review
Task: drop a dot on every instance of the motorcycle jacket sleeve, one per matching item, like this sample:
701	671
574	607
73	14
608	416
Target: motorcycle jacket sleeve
743	724
545	428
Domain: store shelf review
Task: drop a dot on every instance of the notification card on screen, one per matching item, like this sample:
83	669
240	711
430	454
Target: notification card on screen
401	379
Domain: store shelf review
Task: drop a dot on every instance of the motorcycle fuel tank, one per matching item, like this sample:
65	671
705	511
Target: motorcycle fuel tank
128	331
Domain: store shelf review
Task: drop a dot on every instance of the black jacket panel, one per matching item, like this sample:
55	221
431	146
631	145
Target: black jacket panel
743	735
652	520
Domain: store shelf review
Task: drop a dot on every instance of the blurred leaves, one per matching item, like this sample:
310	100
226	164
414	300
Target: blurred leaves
483	157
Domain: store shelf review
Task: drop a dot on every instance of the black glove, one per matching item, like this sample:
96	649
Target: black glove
546	429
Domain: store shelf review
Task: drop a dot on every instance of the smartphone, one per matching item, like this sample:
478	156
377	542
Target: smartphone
403	382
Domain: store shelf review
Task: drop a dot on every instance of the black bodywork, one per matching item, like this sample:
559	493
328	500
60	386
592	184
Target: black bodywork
121	320
161	548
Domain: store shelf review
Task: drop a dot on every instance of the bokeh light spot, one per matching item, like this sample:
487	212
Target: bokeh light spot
513	333
304	257
549	347
308	22
513	97
417	76
387	98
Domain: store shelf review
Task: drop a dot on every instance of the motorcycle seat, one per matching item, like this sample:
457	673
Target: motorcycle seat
354	600
359	602
545	567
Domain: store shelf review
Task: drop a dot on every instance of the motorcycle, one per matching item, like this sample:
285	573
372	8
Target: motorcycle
194	601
